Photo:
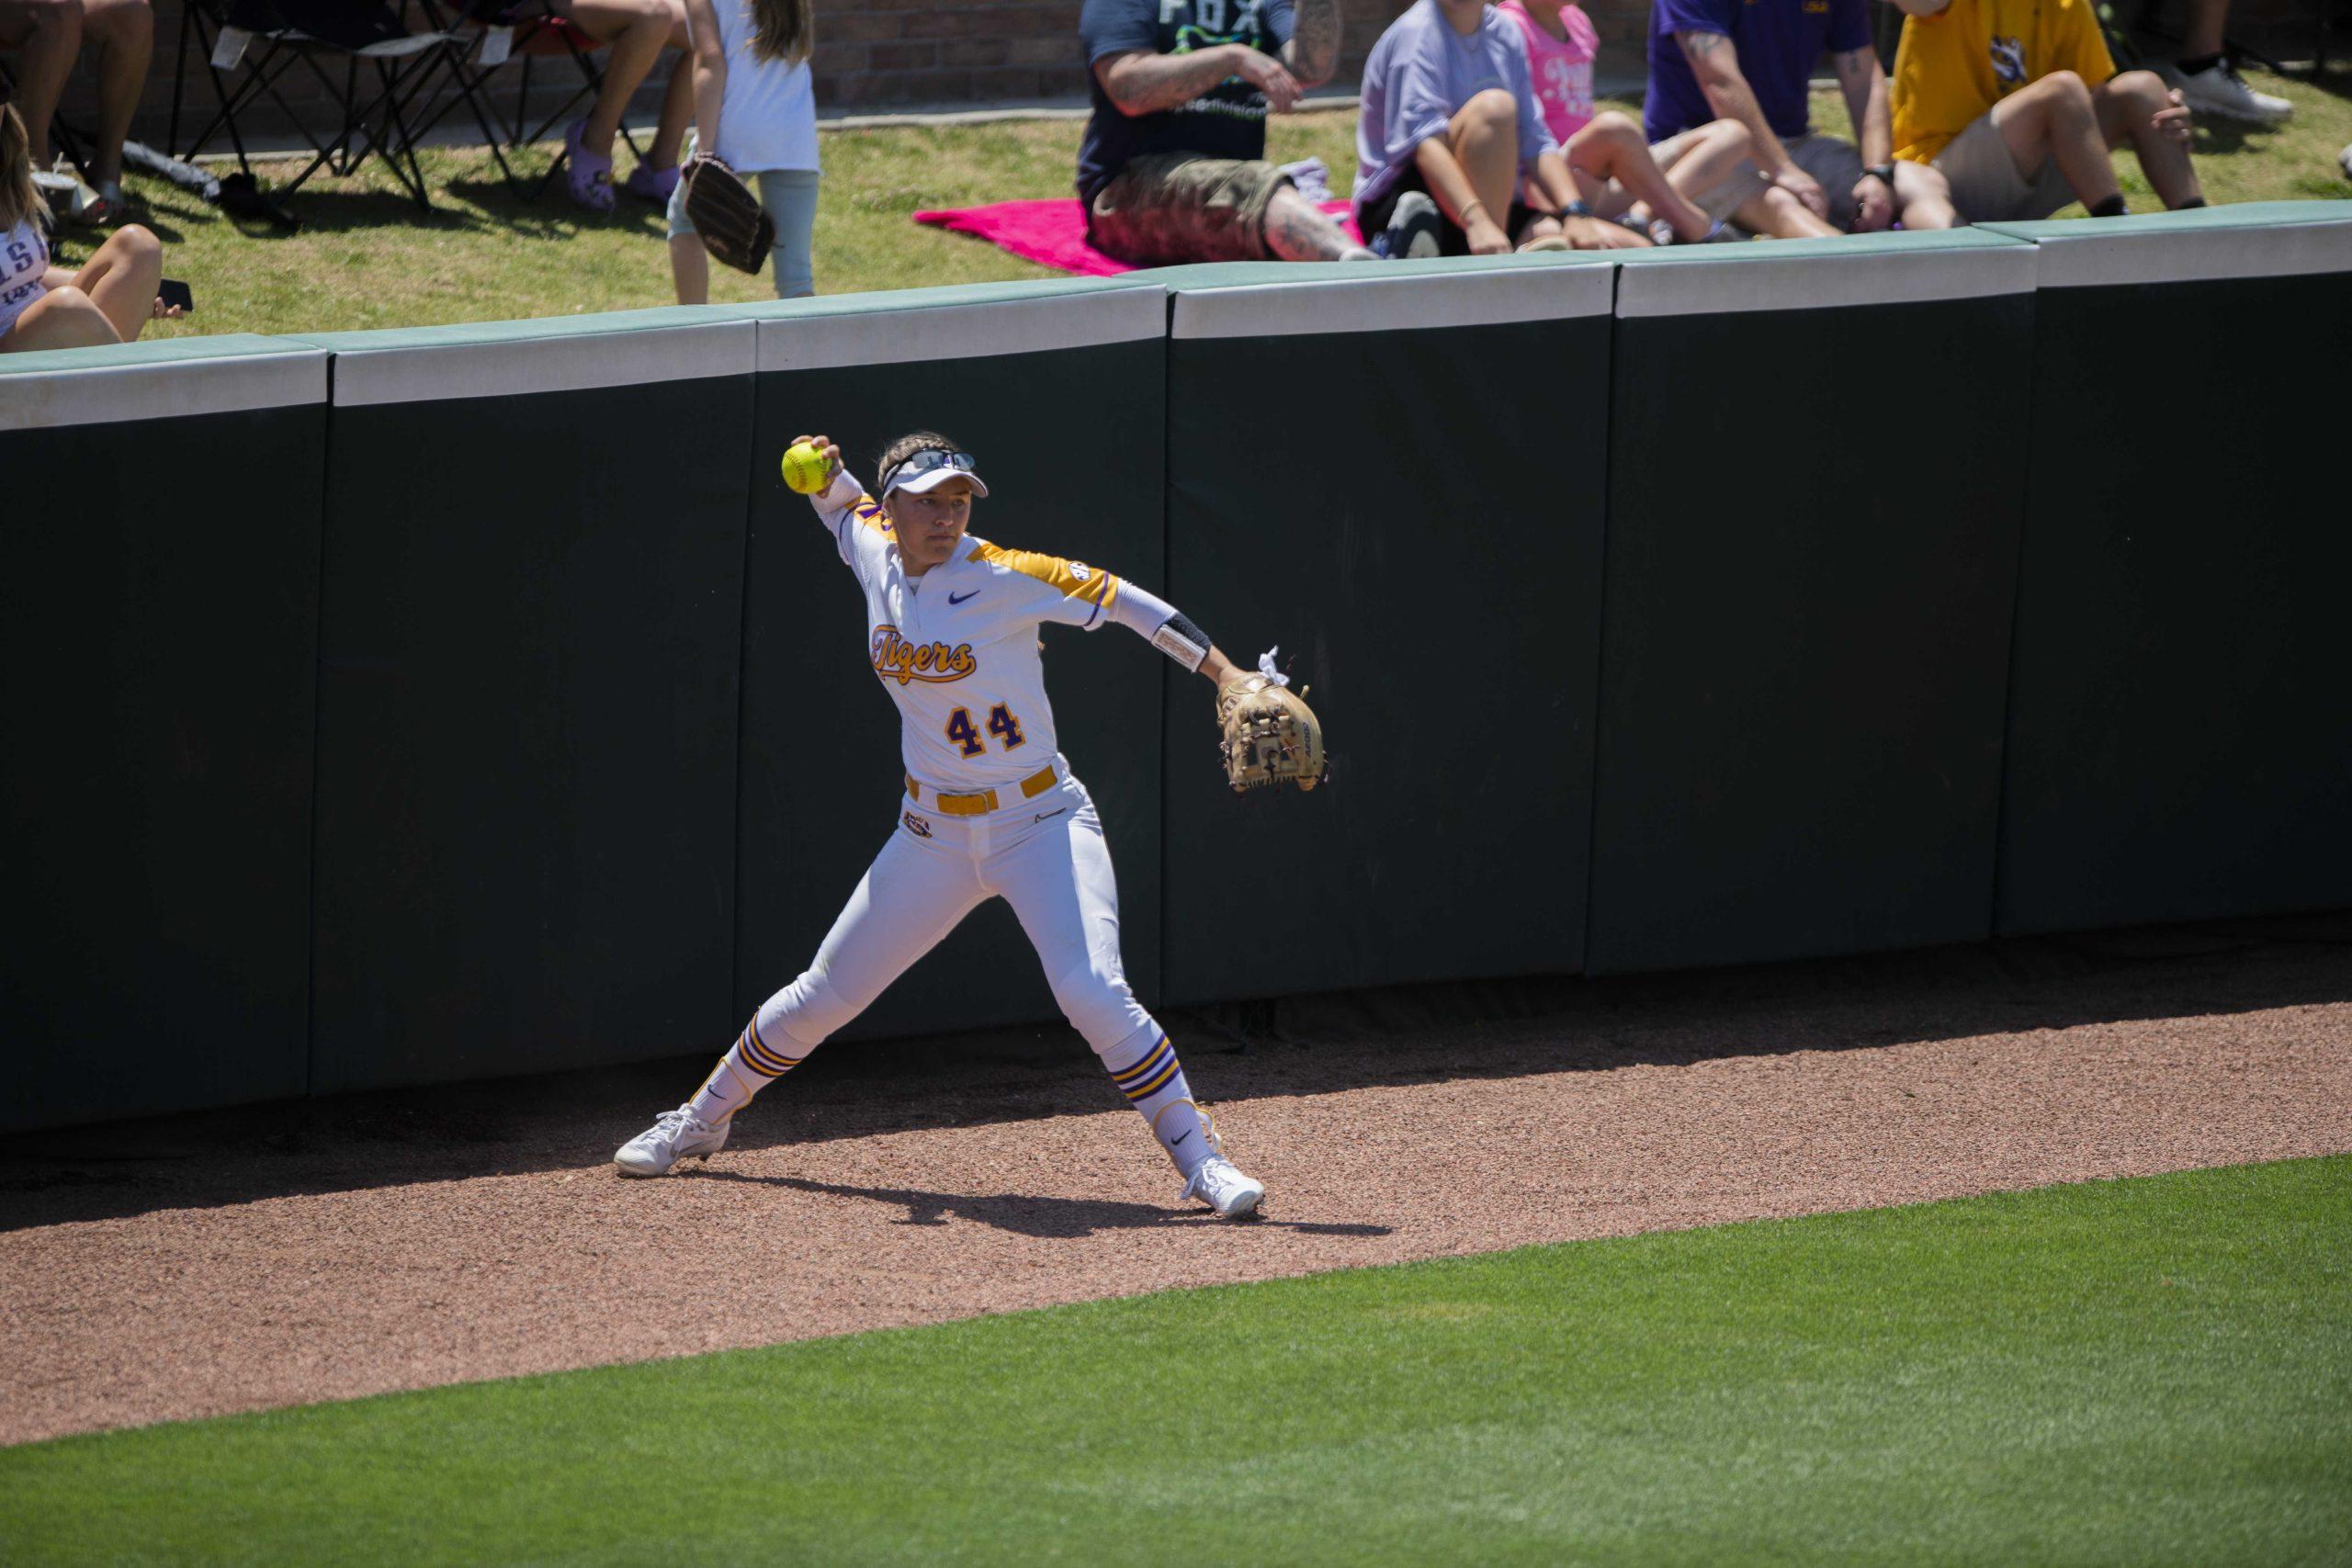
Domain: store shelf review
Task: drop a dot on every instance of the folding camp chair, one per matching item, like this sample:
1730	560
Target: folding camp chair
379	75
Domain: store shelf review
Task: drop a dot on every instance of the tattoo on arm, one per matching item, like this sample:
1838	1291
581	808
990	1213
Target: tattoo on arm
1312	52
1854	62
1143	83
1696	44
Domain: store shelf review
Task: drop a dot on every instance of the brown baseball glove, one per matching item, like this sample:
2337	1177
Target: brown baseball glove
734	225
1271	737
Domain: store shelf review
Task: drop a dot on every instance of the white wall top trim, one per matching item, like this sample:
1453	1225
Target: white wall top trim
1822	281
2100	258
116	394
513	368
975	331
1396	304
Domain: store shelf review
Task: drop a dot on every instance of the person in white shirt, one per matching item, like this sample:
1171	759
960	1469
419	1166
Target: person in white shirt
109	299
991	809
755	110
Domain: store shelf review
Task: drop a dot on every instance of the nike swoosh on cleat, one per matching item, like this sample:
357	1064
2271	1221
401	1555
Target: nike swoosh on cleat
960	598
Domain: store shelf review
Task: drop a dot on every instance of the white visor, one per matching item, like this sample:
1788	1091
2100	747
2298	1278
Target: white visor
930	469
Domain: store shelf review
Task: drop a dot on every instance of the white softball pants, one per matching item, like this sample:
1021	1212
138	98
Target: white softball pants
1045	856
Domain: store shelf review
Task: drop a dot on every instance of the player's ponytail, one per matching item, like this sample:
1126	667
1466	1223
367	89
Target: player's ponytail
906	446
782	30
20	198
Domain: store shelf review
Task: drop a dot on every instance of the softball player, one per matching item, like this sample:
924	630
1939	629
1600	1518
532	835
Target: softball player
991	810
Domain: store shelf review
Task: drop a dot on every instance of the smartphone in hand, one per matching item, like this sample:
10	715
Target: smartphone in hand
172	291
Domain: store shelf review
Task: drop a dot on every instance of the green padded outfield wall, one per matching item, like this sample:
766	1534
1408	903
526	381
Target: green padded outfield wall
2180	716
1057	388
159	567
531	648
1397	473
1816	473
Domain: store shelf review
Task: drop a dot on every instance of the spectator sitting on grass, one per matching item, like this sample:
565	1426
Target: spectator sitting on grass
2016	102
1753	62
1688	183
119	36
1174	164
755	110
1450	141
108	301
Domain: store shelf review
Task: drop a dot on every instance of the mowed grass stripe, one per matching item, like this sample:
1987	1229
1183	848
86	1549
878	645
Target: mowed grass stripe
2154	1370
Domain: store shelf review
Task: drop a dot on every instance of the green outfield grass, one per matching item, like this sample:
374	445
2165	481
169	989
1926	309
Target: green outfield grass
367	258
2156	1371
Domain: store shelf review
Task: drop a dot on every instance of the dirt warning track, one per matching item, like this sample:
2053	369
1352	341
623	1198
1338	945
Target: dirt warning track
193	1266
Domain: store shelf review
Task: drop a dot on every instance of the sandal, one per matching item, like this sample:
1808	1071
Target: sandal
589	176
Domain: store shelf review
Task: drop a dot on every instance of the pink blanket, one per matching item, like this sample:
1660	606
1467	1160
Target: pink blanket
1051	233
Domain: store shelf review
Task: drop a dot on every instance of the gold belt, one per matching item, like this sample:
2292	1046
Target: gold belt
980	804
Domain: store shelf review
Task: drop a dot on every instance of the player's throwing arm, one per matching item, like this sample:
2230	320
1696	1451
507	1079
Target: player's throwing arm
991	809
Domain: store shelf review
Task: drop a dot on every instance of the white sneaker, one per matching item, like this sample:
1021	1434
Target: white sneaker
2344	160
2220	91
1215	1182
674	1135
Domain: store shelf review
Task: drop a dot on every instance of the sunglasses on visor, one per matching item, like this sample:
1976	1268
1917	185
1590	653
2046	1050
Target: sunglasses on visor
924	462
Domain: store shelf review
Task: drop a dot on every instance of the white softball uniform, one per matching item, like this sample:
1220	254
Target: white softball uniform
957	651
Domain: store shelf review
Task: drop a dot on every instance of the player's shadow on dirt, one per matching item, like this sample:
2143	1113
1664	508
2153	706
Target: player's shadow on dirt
1027	1214
1237	1053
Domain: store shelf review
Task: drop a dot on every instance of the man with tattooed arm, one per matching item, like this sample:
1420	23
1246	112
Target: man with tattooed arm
1752	63
1173	166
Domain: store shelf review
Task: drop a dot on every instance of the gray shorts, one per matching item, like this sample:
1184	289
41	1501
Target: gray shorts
789	197
1986	184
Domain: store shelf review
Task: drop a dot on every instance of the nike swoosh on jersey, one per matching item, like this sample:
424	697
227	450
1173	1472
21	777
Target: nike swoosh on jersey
960	598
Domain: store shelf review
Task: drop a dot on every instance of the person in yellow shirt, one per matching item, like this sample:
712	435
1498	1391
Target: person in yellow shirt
2018	104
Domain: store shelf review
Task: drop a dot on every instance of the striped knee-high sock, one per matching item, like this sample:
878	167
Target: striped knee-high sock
748	1066
1153	1081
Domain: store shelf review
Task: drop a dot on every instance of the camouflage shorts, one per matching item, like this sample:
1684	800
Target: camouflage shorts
1180	206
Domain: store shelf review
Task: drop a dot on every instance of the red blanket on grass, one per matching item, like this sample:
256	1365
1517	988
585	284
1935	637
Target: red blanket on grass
1051	232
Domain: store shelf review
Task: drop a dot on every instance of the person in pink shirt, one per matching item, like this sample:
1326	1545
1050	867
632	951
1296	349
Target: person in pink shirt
1687	184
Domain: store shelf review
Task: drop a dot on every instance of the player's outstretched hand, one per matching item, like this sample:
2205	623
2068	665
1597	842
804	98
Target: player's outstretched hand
825	444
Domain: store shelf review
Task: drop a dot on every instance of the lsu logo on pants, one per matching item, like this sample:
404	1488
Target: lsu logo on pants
915	825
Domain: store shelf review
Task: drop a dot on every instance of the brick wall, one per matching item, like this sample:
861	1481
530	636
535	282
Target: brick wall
885	53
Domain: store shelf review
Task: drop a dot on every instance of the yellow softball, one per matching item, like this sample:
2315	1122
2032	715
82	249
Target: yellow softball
804	469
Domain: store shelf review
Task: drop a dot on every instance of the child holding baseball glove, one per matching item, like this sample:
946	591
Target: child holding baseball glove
755	115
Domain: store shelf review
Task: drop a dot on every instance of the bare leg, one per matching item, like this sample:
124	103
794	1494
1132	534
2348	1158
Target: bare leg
1711	157
1611	147
1923	197
123	33
1298	230
2127	108
1783	217
2206	20
678	99
637	31
50	34
690	269
2054	120
1484	136
63	318
120	278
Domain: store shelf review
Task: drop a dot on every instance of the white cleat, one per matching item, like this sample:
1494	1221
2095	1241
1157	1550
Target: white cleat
1215	1182
674	1135
2219	91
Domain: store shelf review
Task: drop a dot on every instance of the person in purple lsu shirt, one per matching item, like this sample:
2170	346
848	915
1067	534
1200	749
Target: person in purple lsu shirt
1751	61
